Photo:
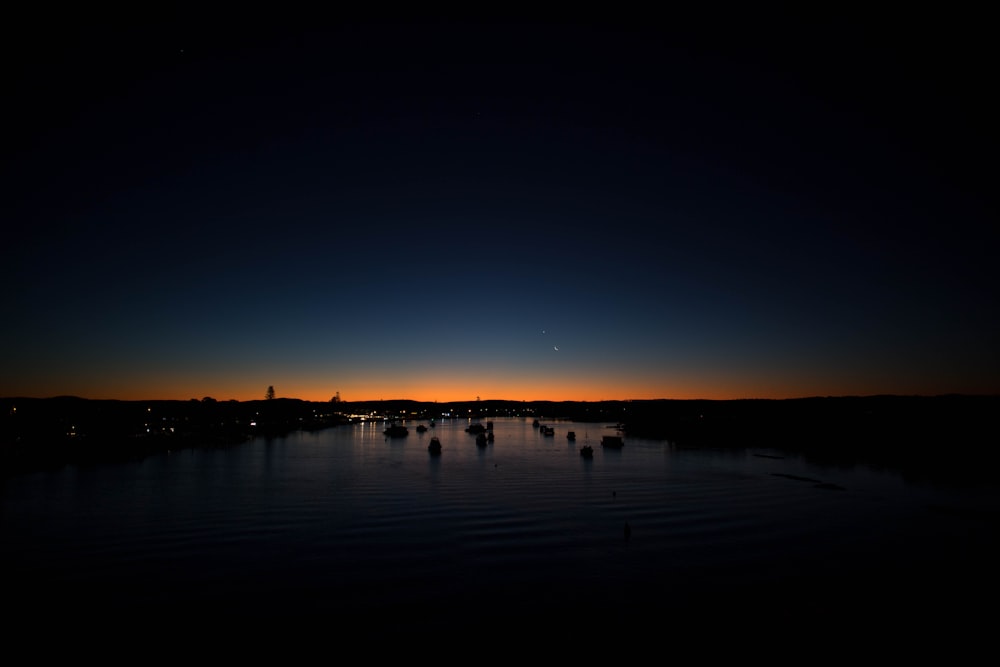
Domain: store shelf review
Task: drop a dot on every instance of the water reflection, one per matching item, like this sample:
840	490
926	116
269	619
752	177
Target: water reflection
337	520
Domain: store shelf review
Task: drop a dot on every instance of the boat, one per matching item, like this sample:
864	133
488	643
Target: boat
548	430
397	431
571	435
587	452
476	428
535	424
435	446
481	440
490	437
421	428
613	441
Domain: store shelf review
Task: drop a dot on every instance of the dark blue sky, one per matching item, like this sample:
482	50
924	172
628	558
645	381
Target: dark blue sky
718	207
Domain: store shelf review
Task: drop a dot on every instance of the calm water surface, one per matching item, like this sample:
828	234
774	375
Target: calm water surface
344	522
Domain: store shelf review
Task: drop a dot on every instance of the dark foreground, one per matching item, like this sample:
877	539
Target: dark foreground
765	606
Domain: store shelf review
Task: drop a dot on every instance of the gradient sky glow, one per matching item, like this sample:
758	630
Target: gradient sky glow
770	208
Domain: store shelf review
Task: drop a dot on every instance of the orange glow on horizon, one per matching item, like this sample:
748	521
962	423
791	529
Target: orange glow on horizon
458	387
455	393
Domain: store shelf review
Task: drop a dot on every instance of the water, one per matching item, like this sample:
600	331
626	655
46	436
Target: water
345	524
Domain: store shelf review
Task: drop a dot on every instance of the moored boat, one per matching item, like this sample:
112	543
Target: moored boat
481	440
435	446
587	452
571	435
397	431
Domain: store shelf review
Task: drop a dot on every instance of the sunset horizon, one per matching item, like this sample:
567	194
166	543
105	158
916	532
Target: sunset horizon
401	323
619	210
444	397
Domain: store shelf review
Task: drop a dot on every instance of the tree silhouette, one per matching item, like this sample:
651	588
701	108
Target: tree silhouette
270	393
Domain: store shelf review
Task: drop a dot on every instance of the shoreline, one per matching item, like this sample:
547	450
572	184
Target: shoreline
944	436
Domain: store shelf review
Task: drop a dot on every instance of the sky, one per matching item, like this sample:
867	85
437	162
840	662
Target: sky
450	208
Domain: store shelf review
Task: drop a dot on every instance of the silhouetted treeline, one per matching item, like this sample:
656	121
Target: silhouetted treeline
938	434
42	433
947	436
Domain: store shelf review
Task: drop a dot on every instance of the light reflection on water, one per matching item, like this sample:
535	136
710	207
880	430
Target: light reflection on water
344	520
